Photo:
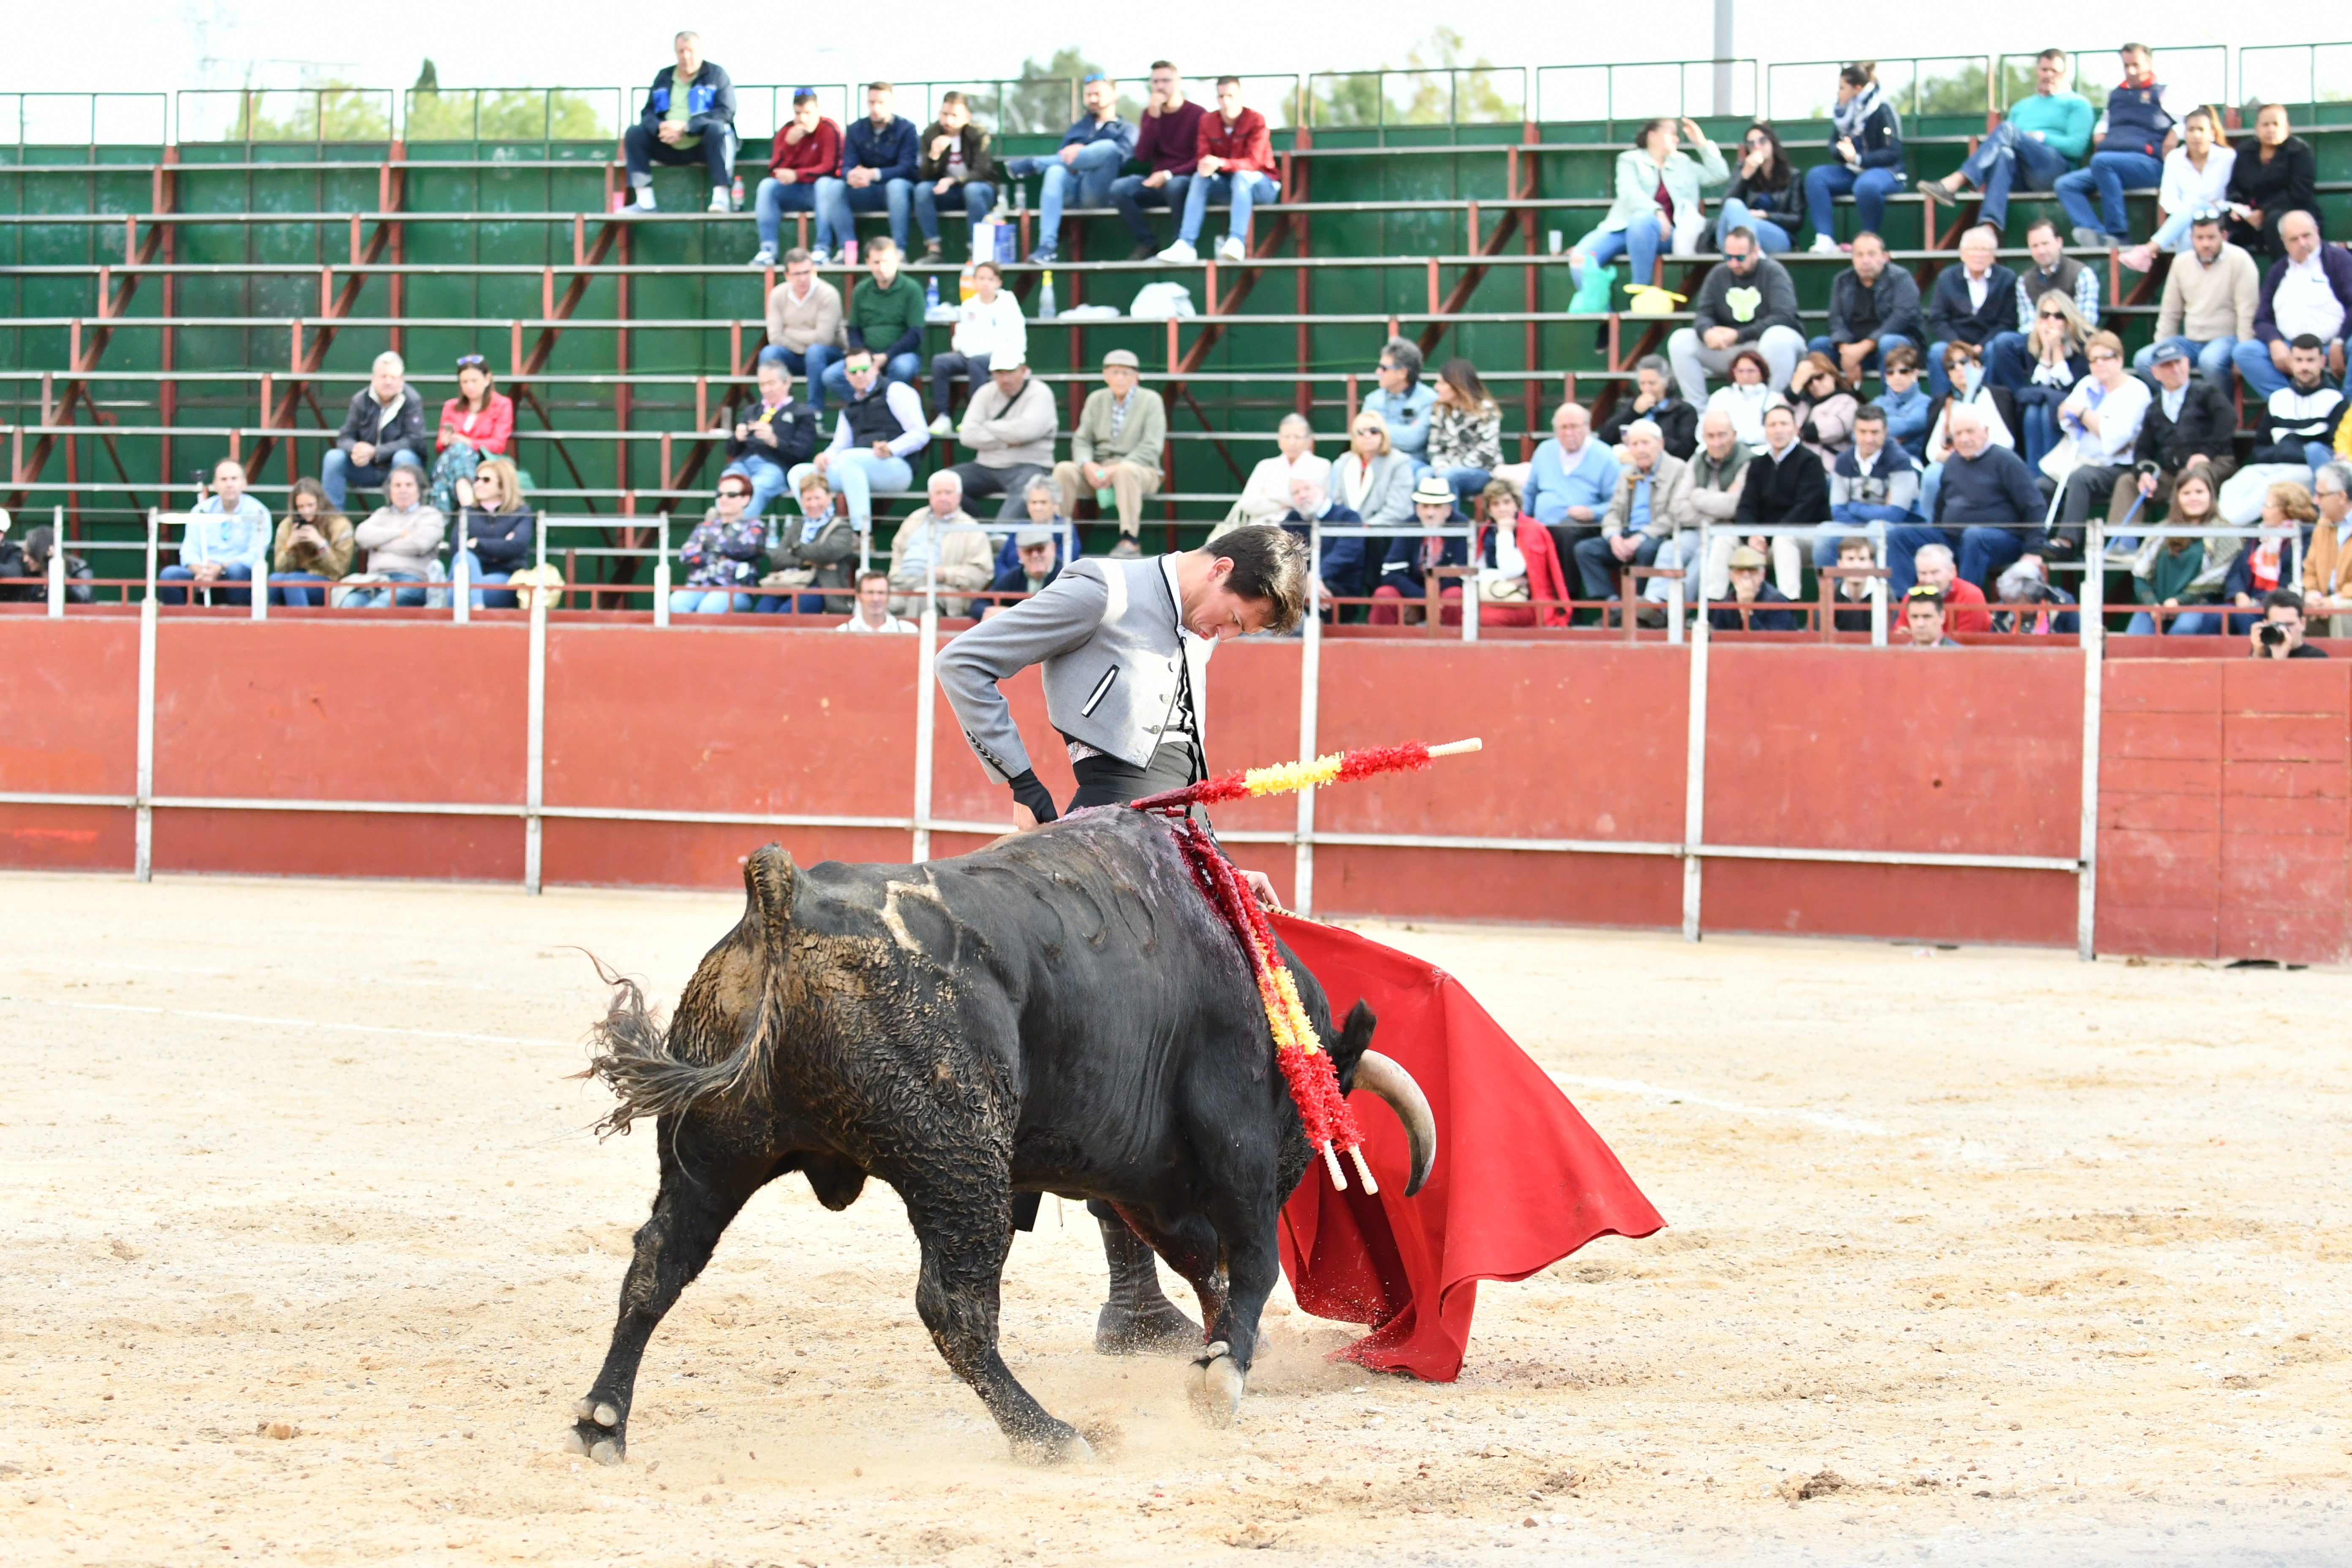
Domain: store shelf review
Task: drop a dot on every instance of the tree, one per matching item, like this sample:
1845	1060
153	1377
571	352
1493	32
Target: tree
1046	99
1439	88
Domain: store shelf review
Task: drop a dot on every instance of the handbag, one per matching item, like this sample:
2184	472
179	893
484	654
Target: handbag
2061	460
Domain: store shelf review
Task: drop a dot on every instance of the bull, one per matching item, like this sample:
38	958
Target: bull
1060	1012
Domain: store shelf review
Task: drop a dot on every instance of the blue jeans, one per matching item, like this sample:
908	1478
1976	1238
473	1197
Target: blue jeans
1639	242
1986	550
835	379
810	367
2110	174
2213	359
337	473
1737	214
708	602
2041	432
2008	158
837	201
221	594
767	480
2187	624
858	473
978	196
491	599
301	598
1825	182
1130	195
2253	358
377	598
1088	178
1887	343
1465	484
640	150
791	604
774	200
1242	190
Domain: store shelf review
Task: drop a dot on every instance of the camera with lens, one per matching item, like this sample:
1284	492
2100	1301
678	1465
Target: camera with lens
2272	633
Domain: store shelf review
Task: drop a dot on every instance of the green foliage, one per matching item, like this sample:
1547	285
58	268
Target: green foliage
1962	93
428	79
1044	100
1435	86
336	112
512	114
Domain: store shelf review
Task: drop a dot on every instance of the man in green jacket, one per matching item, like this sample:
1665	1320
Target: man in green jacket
1116	447
885	318
2044	137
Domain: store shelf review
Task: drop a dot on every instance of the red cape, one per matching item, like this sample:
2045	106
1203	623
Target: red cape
1520	1180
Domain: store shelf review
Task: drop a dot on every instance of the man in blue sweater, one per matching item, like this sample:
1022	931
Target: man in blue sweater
879	161
1873	482
1570	480
1992	518
1092	153
689	118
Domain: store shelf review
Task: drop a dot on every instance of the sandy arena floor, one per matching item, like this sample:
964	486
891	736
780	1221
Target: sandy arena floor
1976	1256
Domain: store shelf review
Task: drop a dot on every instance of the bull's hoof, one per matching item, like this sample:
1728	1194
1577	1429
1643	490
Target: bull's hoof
1214	1382
596	1432
1162	1328
1058	1442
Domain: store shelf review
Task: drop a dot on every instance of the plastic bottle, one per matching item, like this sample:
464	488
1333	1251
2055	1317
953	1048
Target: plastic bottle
738	196
965	288
1046	308
931	294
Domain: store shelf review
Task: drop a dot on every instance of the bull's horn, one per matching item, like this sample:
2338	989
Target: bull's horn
1384	1077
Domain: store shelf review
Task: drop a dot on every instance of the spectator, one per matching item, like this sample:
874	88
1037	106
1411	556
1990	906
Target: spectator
2023	584
1268	494
2328	558
1466	431
40	544
1718	478
2282	631
1654	399
1402	401
2130	140
1234	164
1519	579
879	429
1973	303
2263	569
1873	310
2191	428
2308	290
1866	134
1923	618
2301	417
879	158
1823	405
818	550
1746	300
1571	479
223	541
1746	397
1405	570
1963	601
1985	503
2054	365
2211	292
1340	565
1038	565
383	429
497	532
2053	272
694	123
1657	208
314	544
1650	505
2196	179
873	611
775	436
1169	147
1372	479
1873	486
990	319
1786	484
939	546
720	560
2041	138
1042	499
403	540
1010	425
1854	553
804	327
885	316
1742	610
1964	369
1765	198
1116	447
2104	415
954	153
2276	173
1093	152
808	149
1904	402
2170	572
478	423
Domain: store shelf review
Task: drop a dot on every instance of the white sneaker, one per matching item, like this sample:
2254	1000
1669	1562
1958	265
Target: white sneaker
721	200
763	256
818	258
645	198
1231	249
1824	246
1181	253
940	426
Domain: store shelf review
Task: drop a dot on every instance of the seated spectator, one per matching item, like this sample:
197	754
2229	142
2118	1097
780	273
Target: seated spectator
817	550
1745	398
1903	399
2211	292
1403	401
222	542
2128	151
2328	557
1466	431
2044	137
1169	147
1973	303
497	532
1825	406
476	424
1963	601
1040	563
1093	151
1650	505
1873	310
2195	180
688	118
1742	610
2301	420
383	429
1268	494
886	315
403	540
805	334
1765	198
1042	498
2168	573
1866	135
1852	594
2282	631
1657	210
2053	272
808	149
1746	301
1404	571
1654	399
2027	596
1236	165
874	437
33	561
873	611
1923	618
1718	477
878	163
1010	425
1118	447
2308	292
1519	579
990	319
1965	369
2276	173
314	544
954	153
775	436
2191	428
1873	486
1373	479
2286	507
1785	484
1986	505
1571	479
939	548
1340	563
2047	370
719	562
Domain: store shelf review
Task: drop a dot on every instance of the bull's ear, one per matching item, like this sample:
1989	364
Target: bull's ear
768	890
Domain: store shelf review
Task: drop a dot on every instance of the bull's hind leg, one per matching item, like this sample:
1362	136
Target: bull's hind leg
693	1207
1243	1206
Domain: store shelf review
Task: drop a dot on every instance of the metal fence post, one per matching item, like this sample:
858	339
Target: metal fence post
143	853
1310	678
926	713
535	753
57	563
661	574
1694	765
2094	638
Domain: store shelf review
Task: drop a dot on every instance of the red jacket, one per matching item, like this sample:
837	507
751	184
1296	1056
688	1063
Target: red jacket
816	155
1243	147
1957	620
490	433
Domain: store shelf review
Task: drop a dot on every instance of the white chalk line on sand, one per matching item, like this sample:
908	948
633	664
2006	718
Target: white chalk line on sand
294	1023
1829	1119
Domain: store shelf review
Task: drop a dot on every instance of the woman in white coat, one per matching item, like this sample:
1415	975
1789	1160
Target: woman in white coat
1657	206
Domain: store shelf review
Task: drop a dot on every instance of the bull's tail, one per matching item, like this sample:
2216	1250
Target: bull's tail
630	1051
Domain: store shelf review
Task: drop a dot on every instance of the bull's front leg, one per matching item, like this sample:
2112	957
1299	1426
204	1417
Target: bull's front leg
690	1212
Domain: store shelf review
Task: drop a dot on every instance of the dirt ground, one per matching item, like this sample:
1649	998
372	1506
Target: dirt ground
1975	1255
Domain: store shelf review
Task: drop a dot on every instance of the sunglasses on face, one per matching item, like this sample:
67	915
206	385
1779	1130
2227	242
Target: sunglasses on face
2053	315
2098	354
739	495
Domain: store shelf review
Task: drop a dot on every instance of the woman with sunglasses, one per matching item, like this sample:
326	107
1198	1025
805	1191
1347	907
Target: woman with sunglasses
1825	406
478	423
2104	415
1373	478
721	555
2055	357
1765	198
498	532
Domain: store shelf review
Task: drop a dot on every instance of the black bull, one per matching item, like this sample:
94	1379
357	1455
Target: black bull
1061	1012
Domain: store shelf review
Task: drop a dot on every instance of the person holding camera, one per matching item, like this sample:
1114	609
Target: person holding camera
2279	634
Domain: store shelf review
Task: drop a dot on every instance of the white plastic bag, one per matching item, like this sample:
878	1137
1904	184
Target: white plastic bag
1159	302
